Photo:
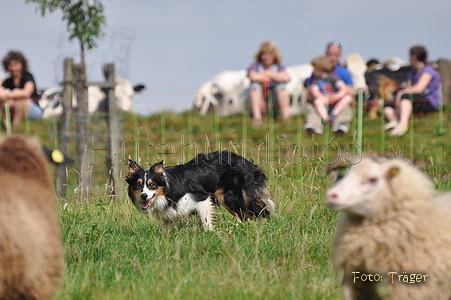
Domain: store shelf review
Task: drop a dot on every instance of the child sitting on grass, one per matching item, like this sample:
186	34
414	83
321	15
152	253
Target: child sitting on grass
329	93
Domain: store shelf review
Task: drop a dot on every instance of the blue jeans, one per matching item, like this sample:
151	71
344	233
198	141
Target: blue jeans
35	112
258	86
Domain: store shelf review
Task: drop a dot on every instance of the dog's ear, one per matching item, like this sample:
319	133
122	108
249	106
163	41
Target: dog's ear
158	168
132	167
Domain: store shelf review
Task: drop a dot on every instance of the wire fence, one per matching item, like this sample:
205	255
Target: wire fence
281	148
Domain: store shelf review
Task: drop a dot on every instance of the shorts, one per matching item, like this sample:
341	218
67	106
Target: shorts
258	86
421	104
35	112
389	104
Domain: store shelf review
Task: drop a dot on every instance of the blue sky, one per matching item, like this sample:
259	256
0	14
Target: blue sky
175	46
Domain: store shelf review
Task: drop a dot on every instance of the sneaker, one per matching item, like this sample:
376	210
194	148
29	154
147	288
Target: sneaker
390	125
398	131
340	129
312	129
332	118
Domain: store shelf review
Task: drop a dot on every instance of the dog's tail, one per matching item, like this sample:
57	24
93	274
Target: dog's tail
243	192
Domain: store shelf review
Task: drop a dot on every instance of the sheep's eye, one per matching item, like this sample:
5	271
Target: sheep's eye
373	180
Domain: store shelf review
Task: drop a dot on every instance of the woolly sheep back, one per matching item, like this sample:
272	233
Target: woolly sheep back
31	260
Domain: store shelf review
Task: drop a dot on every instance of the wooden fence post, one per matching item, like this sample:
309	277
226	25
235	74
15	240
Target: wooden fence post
84	149
114	135
444	68
64	125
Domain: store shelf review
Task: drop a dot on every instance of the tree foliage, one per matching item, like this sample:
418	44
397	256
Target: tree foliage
85	19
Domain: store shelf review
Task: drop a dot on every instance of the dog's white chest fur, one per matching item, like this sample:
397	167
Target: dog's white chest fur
185	206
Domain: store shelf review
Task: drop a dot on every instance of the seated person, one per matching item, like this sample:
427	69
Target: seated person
423	88
330	94
341	124
267	72
19	90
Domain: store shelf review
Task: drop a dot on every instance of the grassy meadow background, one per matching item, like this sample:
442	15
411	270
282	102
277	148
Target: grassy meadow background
114	252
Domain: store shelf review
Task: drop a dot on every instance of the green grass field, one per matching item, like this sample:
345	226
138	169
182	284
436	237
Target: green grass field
114	252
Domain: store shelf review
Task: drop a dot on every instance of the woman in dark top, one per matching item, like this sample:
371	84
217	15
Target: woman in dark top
19	90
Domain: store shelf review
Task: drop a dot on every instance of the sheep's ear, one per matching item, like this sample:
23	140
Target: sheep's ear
132	167
392	172
158	168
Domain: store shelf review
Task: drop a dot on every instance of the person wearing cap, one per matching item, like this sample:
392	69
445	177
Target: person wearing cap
341	122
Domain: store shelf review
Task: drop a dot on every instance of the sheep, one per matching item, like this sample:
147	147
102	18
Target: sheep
230	88
296	88
228	91
392	240
393	63
357	67
205	98
31	258
444	201
51	98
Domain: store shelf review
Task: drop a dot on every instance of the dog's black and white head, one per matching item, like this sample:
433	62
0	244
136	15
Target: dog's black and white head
146	186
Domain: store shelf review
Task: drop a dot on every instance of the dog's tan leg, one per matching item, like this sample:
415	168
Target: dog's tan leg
374	111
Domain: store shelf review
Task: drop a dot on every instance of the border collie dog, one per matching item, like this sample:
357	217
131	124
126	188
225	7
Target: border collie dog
208	180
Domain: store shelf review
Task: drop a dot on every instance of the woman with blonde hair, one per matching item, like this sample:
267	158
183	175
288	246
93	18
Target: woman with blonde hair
268	74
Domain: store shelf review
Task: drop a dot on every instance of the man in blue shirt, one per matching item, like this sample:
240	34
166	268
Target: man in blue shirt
340	124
